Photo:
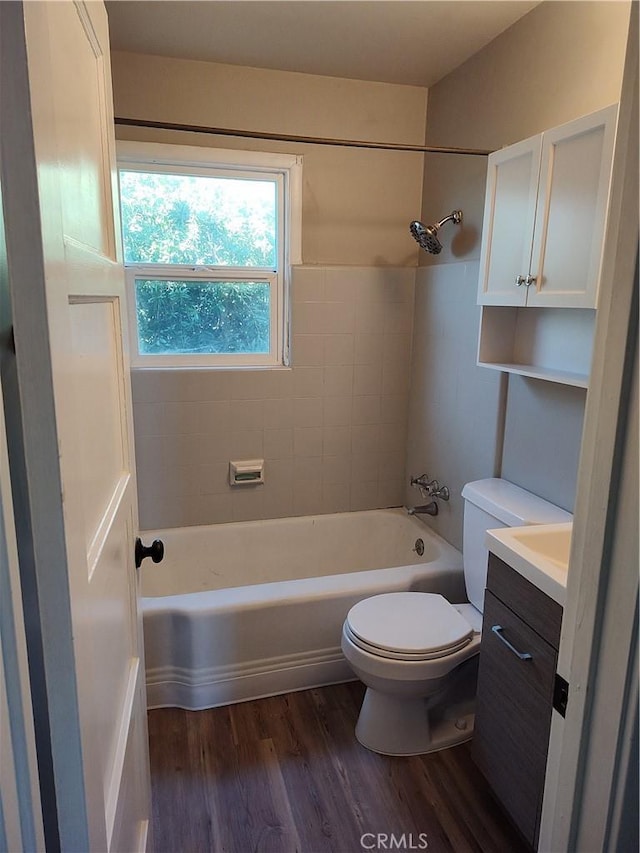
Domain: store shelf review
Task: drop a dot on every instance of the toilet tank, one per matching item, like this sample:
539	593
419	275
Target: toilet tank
490	504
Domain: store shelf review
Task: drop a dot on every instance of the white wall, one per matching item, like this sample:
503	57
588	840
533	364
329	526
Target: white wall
357	204
542	436
333	428
562	60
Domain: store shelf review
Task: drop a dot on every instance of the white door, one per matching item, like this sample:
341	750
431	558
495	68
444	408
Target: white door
509	215
70	345
573	200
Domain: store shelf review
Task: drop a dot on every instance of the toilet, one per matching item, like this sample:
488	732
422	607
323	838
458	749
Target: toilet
417	653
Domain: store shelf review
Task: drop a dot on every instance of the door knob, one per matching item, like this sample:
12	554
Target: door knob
519	280
155	551
530	279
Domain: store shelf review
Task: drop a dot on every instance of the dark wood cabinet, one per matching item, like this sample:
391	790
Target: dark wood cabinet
515	692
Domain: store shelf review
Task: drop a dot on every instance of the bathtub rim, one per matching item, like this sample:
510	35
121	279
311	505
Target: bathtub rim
448	558
174	538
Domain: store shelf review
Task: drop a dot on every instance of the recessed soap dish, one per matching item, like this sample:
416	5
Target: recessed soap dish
246	472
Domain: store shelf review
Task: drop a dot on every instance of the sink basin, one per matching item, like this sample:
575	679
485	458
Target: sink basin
552	542
540	553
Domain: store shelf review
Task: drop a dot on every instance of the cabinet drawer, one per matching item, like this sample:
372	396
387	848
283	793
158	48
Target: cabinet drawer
513	714
539	611
520	677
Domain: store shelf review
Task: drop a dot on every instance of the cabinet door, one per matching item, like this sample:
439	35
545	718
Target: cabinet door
513	714
571	217
509	215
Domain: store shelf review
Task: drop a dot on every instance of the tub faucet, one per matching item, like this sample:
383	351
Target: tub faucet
425	509
430	488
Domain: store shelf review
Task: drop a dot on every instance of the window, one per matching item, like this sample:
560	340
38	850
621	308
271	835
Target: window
208	239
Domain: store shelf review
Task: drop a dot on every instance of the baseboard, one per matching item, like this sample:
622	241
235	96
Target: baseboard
194	690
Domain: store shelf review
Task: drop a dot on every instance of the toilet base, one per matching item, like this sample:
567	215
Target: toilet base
402	726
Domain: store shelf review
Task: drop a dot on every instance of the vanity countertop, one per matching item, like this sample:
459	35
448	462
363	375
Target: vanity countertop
540	553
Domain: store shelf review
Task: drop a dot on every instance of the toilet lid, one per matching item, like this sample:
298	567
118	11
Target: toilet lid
376	651
409	623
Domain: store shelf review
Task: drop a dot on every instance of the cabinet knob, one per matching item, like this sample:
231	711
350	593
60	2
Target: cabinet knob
530	279
520	279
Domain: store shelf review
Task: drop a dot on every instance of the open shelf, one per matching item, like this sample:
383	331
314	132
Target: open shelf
553	344
563	377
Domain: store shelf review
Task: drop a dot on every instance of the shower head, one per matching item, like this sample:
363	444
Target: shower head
427	235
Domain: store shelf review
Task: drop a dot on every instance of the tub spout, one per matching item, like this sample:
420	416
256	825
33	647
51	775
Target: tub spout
425	509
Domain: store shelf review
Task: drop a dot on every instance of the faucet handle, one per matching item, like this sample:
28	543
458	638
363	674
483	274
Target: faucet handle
435	490
422	481
430	488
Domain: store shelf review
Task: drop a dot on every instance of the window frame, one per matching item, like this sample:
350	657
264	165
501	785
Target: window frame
286	171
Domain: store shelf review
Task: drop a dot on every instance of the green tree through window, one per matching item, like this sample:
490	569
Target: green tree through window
199	222
196	220
191	317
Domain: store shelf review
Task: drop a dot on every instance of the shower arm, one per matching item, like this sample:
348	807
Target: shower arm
455	216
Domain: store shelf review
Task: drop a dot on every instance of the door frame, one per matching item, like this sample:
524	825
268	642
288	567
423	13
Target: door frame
21	825
598	646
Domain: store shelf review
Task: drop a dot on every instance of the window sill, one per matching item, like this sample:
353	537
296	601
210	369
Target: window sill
146	368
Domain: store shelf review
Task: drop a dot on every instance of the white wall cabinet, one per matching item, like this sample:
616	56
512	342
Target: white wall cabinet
545	216
509	220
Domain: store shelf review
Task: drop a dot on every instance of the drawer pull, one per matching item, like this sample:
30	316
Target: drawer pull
522	655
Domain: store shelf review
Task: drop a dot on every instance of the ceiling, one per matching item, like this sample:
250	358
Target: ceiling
414	42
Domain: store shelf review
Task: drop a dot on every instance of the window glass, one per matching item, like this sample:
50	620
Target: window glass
198	220
208	237
190	317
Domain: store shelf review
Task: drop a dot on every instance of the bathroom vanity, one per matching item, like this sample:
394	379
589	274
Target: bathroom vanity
520	639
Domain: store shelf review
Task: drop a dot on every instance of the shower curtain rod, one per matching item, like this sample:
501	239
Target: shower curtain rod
305	140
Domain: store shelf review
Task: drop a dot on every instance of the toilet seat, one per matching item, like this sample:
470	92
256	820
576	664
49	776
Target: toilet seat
409	626
401	656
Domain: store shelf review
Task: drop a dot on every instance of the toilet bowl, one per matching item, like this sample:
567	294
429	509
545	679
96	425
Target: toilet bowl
416	653
403	646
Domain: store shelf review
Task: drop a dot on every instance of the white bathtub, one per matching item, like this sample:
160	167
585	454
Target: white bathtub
249	609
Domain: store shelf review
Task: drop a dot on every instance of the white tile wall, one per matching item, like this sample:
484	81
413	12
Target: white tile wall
332	429
454	407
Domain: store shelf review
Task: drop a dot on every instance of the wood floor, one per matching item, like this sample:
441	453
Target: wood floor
286	775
